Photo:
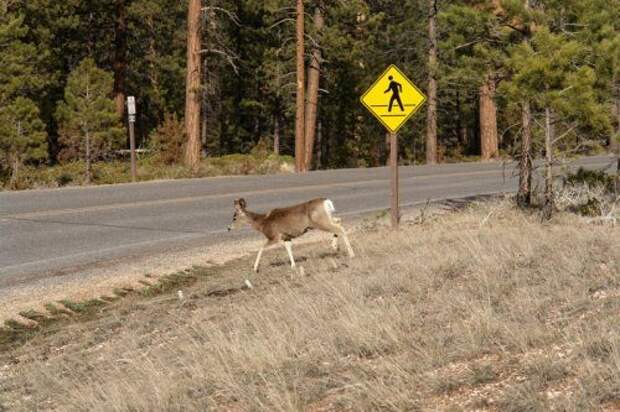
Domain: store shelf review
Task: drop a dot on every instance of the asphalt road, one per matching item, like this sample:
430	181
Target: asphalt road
47	233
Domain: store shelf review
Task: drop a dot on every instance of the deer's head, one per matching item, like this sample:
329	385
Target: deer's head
239	217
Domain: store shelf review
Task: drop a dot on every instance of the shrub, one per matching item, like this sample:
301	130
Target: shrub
591	178
168	140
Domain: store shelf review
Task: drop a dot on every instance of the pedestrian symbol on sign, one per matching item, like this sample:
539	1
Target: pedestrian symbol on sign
396	89
403	95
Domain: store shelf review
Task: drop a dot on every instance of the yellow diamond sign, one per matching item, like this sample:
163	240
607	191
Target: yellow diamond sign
393	99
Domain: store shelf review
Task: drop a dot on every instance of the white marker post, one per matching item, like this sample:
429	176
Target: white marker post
131	111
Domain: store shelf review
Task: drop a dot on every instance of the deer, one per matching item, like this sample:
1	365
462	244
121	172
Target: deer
282	225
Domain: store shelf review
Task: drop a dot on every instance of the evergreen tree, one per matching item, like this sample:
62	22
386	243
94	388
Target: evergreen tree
22	133
553	71
22	136
89	124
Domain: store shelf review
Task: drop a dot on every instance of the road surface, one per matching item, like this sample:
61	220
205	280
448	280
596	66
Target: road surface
46	233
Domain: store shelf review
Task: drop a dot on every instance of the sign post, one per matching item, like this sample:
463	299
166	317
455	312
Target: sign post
394	201
131	111
393	99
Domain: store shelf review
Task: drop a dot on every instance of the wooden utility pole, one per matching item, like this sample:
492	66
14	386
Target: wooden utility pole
192	86
300	141
431	117
394	201
314	74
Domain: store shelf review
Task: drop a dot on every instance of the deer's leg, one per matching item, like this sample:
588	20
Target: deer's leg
347	243
289	250
338	230
260	254
335	242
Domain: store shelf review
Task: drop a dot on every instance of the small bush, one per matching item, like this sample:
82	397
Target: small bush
591	178
168	140
64	179
587	192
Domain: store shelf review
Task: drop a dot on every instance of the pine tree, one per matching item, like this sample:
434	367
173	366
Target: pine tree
300	140
431	119
192	84
553	70
22	136
22	133
314	74
89	124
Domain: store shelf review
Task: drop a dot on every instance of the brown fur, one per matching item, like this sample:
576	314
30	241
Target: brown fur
287	223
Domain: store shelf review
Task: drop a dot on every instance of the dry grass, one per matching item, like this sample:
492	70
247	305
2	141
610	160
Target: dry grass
482	308
148	168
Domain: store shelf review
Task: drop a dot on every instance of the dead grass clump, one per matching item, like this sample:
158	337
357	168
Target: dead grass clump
448	313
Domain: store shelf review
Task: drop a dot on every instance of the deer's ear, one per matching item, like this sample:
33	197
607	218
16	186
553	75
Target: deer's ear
240	203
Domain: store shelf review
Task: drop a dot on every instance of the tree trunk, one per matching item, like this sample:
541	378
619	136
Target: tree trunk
120	56
153	75
614	144
549	204
14	171
524	196
431	118
319	145
314	74
488	120
192	86
88	163
276	134
300	141
204	109
461	124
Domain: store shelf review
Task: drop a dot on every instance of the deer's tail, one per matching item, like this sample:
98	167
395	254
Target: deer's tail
330	209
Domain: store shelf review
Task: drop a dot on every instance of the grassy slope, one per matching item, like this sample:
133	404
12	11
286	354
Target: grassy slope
483	308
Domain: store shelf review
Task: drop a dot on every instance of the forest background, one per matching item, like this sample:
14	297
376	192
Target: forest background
216	83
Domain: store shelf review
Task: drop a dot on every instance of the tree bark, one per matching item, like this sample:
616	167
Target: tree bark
300	142
276	134
314	74
614	144
431	117
120	56
488	120
14	171
88	162
192	86
549	204
617	144
524	195
319	145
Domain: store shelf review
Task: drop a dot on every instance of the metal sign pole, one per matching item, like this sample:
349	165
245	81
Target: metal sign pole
131	110
394	203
